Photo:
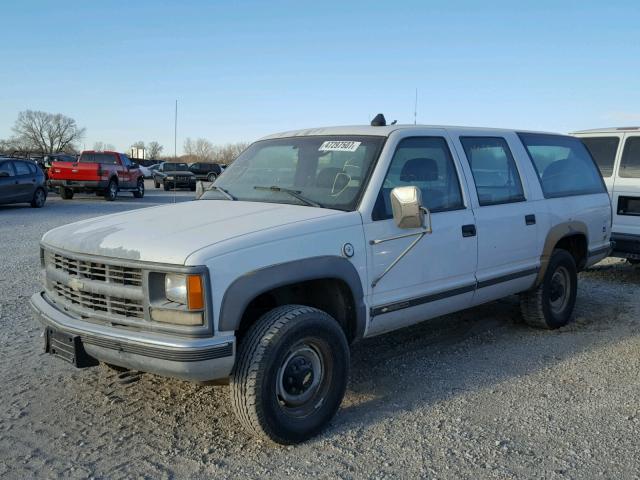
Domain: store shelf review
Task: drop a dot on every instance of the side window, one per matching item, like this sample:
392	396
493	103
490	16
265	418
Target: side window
603	150
32	168
125	160
563	164
630	163
6	170
424	162
21	168
494	170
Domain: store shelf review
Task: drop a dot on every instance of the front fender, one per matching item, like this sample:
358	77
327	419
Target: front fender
247	287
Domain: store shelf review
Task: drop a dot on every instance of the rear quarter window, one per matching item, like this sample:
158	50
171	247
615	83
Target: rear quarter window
630	163
563	164
603	150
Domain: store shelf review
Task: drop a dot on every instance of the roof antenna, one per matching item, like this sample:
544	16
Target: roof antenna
415	109
379	121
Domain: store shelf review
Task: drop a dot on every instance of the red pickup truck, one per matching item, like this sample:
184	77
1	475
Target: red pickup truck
105	173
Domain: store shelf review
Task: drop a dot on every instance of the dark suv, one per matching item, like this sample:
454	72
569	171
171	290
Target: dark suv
206	171
22	181
174	175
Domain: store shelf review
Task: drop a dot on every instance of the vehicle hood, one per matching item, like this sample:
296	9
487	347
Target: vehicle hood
169	234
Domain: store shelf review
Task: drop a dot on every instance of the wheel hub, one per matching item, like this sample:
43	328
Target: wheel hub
300	376
559	290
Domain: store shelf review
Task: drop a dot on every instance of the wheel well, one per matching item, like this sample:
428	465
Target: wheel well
576	245
330	295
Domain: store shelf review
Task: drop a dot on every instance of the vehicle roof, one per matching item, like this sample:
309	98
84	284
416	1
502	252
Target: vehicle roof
385	131
608	130
101	151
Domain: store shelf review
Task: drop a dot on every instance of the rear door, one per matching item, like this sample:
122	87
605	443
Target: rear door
126	174
25	179
507	222
8	182
626	193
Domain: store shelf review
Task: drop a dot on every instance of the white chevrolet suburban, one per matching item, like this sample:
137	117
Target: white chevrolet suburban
314	239
617	153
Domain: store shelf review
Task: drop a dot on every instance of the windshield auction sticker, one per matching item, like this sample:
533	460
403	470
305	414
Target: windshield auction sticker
339	146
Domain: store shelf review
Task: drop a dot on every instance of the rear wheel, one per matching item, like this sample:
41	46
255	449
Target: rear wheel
211	177
111	192
139	192
166	186
39	197
66	193
156	183
633	261
551	304
290	374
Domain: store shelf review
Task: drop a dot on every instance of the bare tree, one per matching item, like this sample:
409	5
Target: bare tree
228	153
138	144
46	132
98	146
200	150
154	149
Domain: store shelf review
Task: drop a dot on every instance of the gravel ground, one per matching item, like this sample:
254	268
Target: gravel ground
470	395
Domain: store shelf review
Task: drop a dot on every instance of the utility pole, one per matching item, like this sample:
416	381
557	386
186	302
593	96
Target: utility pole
175	147
415	109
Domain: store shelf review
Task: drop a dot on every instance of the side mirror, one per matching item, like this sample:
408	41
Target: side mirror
408	212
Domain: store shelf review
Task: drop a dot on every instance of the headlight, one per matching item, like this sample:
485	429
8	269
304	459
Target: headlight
185	289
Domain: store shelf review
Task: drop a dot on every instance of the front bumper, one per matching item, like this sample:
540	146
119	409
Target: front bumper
195	359
626	245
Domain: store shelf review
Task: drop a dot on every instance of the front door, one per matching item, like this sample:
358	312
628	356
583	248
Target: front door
436	276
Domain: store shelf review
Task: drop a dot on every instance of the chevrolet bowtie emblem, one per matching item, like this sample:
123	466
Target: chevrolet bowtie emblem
75	284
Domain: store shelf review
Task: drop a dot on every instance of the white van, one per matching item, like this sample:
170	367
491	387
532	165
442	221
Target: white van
617	153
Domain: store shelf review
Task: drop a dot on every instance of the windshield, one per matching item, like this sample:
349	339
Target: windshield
175	167
326	171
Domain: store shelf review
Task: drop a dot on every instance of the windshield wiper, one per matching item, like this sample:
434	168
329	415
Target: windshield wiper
293	193
222	191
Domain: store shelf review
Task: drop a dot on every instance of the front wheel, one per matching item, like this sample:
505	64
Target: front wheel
290	374
211	177
551	304
112	191
139	192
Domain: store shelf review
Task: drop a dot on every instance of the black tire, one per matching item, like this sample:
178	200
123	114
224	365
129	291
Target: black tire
111	193
39	198
139	193
289	346
212	177
192	188
166	186
66	193
551	304
156	184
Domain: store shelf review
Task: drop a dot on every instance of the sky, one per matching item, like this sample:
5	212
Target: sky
241	70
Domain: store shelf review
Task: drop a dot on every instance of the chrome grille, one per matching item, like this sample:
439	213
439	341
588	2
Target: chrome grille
123	307
96	271
103	289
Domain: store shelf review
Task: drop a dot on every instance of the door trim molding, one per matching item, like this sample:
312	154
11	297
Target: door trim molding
415	301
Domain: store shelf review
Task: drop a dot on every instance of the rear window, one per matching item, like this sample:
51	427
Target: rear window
630	163
21	168
563	164
603	150
102	158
